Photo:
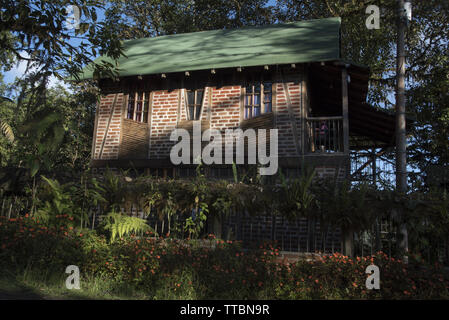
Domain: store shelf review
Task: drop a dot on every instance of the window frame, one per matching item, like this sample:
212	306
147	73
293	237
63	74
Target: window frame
195	104
133	96
262	103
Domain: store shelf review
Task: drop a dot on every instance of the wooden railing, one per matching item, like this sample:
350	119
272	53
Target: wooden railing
324	135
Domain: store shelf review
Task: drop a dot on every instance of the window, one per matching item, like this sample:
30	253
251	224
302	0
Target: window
258	99
138	106
194	103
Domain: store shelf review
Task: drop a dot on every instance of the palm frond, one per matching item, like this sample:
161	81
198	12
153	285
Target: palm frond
7	131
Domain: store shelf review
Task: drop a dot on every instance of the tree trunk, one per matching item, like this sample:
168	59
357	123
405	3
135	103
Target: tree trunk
401	155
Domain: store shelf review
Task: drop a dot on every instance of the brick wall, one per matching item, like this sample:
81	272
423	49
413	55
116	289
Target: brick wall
223	112
106	144
164	117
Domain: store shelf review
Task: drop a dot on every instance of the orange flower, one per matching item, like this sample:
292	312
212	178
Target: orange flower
354	285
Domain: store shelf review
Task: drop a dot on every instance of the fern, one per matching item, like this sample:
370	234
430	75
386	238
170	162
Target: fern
121	225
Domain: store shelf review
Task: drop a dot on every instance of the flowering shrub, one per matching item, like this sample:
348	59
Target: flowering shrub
208	269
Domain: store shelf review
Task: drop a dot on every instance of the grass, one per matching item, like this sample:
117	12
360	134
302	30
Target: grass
31	285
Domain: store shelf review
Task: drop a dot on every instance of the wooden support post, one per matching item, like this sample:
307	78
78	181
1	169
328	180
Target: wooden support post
348	242
344	95
150	120
348	234
94	139
291	116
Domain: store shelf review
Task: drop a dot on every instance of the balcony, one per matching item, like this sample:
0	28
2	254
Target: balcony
324	135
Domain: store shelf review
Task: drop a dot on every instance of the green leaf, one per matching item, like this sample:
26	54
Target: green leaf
34	167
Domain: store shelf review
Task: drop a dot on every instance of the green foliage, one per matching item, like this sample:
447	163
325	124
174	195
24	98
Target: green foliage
57	202
131	20
297	197
120	225
350	207
195	223
113	189
41	136
48	47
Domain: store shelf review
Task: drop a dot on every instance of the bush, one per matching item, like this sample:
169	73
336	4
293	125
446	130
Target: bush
207	269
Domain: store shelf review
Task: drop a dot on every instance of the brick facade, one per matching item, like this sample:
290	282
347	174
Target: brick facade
224	111
108	126
164	116
222	108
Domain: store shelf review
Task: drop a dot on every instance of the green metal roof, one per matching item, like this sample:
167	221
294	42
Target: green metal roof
297	42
